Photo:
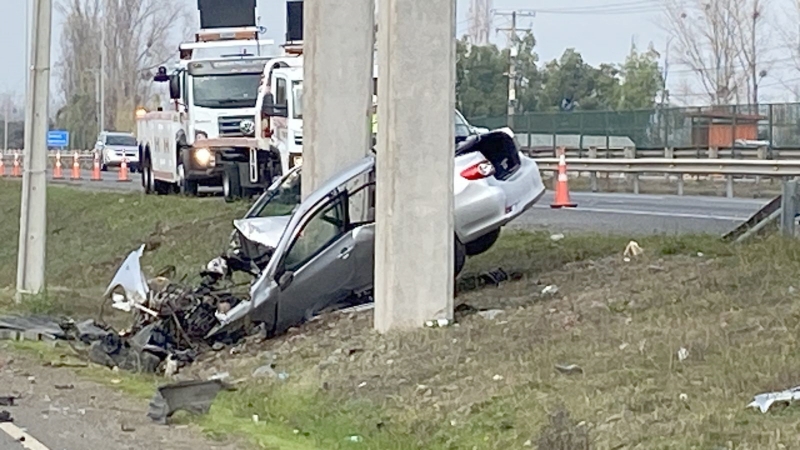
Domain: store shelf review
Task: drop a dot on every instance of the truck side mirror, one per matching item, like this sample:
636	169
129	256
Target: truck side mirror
269	108
174	87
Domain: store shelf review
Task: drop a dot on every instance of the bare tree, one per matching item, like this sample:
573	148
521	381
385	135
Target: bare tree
789	44
753	45
139	35
706	36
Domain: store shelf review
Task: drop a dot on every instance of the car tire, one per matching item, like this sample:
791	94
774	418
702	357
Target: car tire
460	258
231	183
483	243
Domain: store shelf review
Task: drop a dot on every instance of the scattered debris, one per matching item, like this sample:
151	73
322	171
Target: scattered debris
550	289
632	250
497	378
64	387
8	400
5	417
355	438
570	369
490	314
765	401
127	428
192	396
683	354
556	237
438	323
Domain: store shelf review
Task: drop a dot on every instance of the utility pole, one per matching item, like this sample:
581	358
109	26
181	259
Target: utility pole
512	53
754	66
33	211
103	21
5	125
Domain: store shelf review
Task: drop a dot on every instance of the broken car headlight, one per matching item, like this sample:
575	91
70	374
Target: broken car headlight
203	156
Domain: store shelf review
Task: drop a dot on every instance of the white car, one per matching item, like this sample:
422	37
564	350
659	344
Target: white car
113	147
297	247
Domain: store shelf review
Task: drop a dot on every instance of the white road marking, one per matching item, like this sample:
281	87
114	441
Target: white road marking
24	439
649	213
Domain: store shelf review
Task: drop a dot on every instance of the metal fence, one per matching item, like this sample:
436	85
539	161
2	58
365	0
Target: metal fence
777	125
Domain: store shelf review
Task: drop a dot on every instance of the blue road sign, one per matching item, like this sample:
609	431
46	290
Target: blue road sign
58	138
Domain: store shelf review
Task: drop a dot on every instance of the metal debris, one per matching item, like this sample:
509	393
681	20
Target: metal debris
570	369
765	401
8	400
195	397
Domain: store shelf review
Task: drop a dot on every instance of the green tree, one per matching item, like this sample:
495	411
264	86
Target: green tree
571	78
529	80
481	86
642	80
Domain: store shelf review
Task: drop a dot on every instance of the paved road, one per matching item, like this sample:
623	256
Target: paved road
641	214
601	212
59	411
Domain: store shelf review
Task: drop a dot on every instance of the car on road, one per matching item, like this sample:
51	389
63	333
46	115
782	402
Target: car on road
465	129
114	146
315	253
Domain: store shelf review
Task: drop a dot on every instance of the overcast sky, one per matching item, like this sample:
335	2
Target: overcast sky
601	30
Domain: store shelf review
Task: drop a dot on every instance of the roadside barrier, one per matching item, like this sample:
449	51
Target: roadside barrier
57	171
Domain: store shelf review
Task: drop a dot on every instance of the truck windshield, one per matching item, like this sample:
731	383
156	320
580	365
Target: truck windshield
121	139
226	91
297	99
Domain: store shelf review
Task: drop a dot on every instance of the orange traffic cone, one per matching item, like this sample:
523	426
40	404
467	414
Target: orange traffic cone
123	171
96	175
57	171
76	167
562	199
15	169
2	166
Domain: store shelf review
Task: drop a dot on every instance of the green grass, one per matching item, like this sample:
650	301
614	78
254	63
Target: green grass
485	384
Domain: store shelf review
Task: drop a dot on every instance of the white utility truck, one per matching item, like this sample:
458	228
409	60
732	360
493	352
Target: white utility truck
250	165
214	89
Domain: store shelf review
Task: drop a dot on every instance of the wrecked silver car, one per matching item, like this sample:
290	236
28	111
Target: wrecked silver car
308	255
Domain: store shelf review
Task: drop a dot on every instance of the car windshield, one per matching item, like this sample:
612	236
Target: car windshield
462	128
121	139
297	99
278	200
226	91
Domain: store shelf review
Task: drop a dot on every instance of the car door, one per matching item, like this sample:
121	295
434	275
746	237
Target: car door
316	269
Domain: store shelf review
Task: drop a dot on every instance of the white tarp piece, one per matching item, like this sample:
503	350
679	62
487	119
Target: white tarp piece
765	401
131	279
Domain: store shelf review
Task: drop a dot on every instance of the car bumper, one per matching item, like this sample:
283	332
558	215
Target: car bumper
116	160
483	206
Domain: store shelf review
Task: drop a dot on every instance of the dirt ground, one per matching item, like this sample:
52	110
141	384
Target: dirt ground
63	411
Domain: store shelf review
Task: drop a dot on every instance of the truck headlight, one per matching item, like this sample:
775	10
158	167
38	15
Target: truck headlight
297	160
203	156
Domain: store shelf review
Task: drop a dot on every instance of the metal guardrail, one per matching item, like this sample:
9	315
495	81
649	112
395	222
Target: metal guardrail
781	168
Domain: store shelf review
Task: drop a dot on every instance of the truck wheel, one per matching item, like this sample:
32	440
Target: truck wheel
231	183
147	177
186	187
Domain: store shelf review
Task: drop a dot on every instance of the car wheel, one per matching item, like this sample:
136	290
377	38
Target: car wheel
460	257
483	243
231	183
186	187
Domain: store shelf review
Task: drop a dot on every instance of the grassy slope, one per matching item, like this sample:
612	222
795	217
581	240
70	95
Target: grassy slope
488	384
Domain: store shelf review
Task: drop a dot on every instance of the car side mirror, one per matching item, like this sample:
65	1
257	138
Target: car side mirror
285	279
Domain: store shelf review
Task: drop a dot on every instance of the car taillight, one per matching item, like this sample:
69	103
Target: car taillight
479	171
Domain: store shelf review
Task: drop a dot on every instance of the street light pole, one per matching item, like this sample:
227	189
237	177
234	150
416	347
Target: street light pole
33	218
103	22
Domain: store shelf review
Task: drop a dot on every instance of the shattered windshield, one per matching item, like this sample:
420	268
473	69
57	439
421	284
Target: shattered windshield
280	200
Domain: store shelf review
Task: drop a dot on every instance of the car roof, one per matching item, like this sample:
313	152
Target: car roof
362	166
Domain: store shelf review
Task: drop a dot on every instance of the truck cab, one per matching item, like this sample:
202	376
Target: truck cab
279	111
213	89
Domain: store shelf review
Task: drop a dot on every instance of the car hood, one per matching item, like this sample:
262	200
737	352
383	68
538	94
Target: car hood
266	231
120	148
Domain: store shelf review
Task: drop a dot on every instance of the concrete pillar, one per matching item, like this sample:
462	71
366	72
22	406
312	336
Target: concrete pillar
338	47
414	211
